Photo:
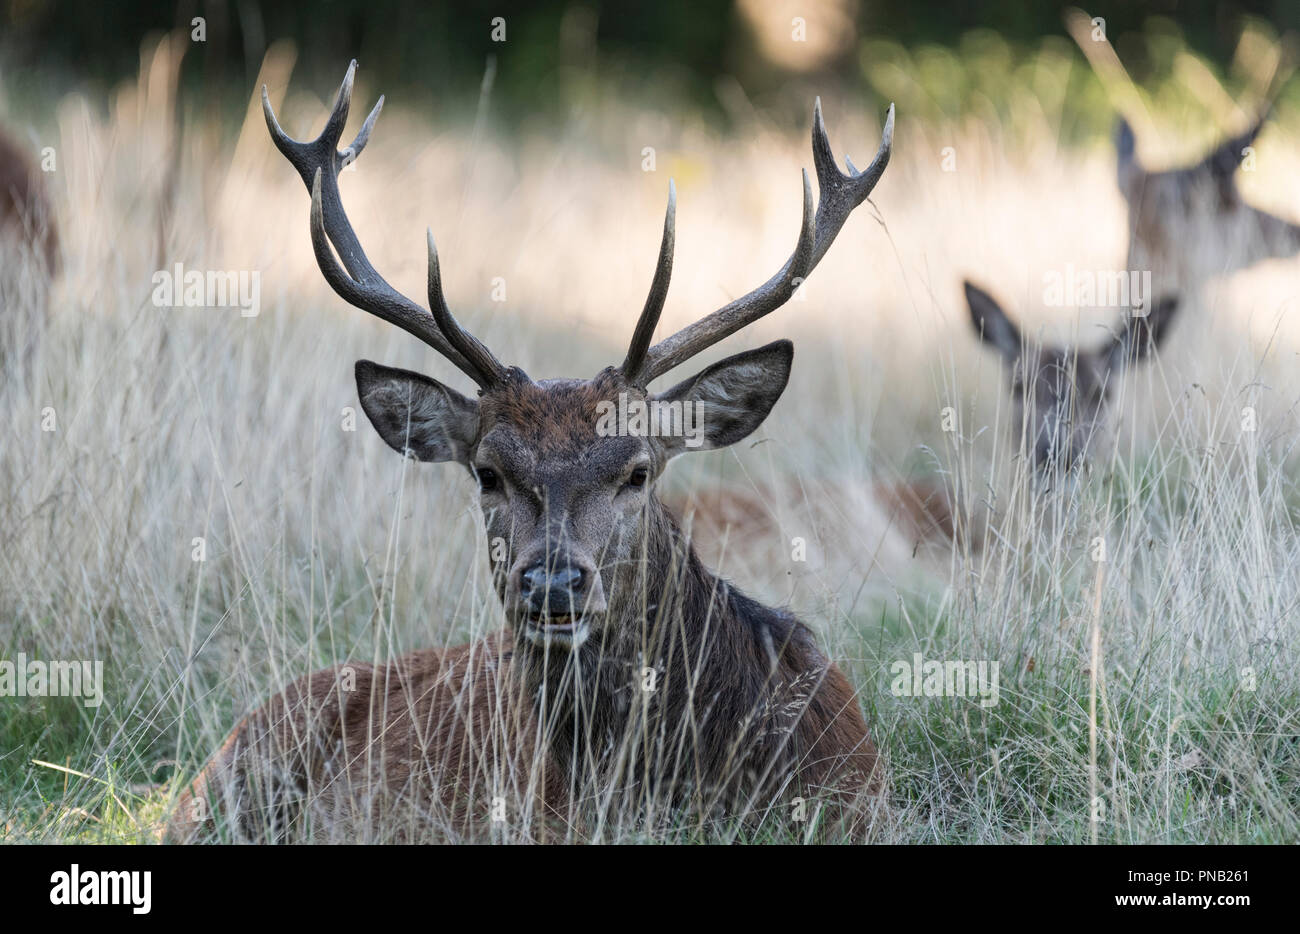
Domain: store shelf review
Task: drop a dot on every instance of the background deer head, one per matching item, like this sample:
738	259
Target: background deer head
1060	393
1191	223
569	508
1172	213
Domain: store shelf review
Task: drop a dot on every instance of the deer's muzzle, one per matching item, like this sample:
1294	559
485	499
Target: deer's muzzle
556	600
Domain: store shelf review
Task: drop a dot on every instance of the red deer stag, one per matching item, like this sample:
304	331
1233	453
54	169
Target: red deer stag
632	686
1060	392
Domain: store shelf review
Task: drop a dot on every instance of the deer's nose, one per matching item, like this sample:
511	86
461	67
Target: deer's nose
555	590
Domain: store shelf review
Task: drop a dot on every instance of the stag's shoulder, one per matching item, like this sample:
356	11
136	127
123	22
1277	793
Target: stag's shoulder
775	630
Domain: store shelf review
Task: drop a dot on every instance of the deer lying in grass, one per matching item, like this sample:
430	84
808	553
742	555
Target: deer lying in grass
632	685
1061	392
725	520
1192	222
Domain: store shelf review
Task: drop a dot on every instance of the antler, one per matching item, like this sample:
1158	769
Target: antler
654	303
319	163
838	195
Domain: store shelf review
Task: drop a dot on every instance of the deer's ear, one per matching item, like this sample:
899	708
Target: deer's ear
1142	336
1127	168
416	414
725	402
991	322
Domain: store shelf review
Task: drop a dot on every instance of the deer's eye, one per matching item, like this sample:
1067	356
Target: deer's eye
638	478
488	481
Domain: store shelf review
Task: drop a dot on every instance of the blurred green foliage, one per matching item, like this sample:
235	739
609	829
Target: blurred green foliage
937	58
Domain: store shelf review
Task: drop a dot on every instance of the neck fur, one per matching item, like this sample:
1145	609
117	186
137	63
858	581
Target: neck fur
690	692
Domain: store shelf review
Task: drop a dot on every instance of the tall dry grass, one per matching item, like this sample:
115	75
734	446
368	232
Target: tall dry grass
1151	696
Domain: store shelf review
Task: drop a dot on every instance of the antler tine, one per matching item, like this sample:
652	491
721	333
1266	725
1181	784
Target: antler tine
469	346
730	318
363	135
654	303
306	157
318	162
385	304
838	195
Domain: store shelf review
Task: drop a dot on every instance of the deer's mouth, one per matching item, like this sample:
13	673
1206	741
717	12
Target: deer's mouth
561	630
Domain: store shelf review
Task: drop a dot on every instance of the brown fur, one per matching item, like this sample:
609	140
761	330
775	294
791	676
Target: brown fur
720	520
25	211
28	257
351	747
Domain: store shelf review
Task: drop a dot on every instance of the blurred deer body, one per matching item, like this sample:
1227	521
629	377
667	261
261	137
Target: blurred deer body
747	524
1188	224
25	212
631	680
28	249
1061	393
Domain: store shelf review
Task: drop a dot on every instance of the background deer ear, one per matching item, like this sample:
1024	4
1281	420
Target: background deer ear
1223	161
991	322
1141	336
1127	166
729	399
417	414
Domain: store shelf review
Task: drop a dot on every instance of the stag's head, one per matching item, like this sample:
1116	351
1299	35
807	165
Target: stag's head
1060	393
566	468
